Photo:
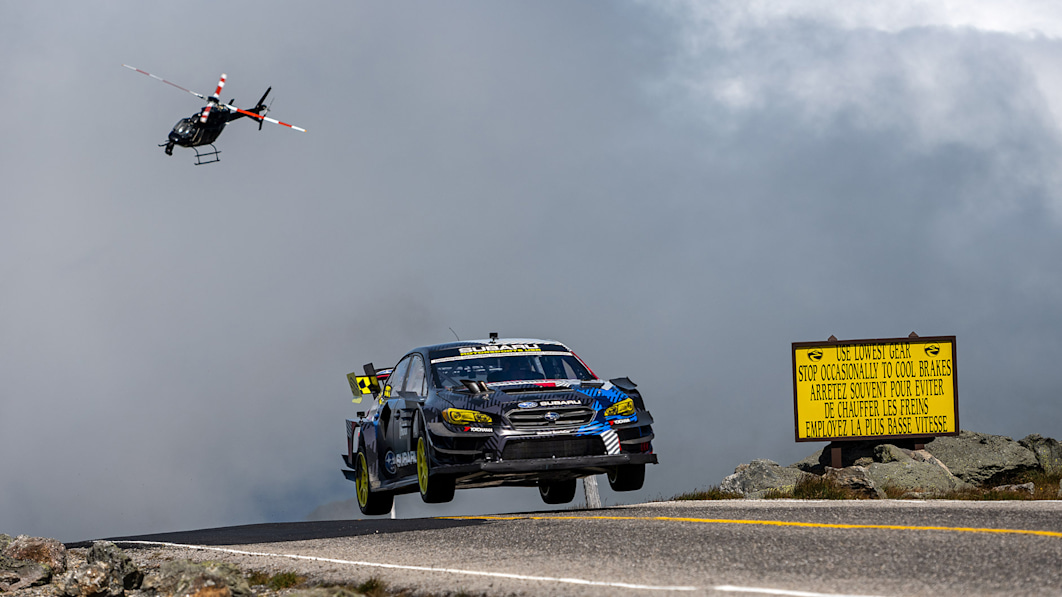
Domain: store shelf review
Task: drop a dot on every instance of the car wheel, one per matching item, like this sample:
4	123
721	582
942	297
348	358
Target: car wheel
371	503
434	489
628	477
557	492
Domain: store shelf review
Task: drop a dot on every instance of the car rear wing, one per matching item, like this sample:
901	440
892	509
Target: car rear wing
369	383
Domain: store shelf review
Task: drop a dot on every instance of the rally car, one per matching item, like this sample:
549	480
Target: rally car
489	413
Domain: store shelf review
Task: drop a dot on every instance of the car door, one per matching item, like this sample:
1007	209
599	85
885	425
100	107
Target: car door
406	397
388	423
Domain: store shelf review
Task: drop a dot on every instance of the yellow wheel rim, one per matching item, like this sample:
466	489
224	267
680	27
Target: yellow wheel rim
361	483
422	464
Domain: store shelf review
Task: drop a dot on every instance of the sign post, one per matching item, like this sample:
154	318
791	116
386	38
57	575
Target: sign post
894	388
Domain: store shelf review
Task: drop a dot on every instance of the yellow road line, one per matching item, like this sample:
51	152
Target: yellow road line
779	523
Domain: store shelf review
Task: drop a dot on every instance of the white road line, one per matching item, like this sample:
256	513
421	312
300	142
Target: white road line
571	581
787	593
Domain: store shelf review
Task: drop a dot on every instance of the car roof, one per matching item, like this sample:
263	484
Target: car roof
498	341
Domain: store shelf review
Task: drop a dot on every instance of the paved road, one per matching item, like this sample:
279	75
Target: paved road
882	548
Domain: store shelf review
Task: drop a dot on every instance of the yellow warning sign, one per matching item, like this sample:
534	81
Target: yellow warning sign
864	389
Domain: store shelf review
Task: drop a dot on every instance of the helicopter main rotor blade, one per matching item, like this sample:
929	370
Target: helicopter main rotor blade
199	95
265	118
213	100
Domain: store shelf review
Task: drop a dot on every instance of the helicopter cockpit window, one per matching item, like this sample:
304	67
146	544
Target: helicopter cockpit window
183	127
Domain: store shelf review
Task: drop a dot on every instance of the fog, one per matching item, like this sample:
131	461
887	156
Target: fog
677	190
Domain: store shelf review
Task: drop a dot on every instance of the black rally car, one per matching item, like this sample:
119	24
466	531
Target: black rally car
488	413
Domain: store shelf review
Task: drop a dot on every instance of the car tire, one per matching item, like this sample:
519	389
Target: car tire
371	503
557	492
434	489
627	477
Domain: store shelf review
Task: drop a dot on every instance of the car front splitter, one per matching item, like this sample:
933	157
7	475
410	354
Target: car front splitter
532	465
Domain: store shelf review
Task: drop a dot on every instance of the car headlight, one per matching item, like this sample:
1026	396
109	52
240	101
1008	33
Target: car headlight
623	408
457	416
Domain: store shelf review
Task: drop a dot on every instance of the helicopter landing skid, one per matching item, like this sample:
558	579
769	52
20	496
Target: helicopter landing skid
207	157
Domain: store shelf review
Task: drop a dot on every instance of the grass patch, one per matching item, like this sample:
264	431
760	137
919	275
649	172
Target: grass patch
814	487
373	587
1045	487
277	582
893	492
257	578
711	493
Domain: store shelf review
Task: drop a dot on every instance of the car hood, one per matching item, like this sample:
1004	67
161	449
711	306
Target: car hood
527	396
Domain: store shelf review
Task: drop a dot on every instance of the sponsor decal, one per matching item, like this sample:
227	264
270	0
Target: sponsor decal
549	403
499	348
527	404
621	421
392	461
557	432
479	429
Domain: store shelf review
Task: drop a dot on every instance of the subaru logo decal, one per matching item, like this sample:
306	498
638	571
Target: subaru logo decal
527	404
389	462
551	416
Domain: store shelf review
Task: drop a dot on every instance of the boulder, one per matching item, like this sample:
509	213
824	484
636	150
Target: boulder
855	453
95	579
1029	488
1048	452
19	574
982	459
913	475
119	561
49	552
855	478
755	479
183	578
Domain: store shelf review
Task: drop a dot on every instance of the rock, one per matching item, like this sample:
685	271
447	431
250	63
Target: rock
1048	452
885	453
855	478
182	578
120	562
755	479
1029	488
982	459
49	552
325	592
857	453
19	574
95	579
913	475
4	541
850	452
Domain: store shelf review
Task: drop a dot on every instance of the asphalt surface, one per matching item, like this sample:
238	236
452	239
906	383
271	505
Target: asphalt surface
780	547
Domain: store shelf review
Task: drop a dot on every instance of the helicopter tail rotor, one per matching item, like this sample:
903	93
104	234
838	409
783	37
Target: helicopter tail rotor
261	108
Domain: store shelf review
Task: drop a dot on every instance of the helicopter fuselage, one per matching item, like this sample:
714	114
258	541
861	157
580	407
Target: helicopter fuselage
190	132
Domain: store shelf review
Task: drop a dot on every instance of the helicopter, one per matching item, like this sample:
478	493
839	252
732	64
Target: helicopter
203	127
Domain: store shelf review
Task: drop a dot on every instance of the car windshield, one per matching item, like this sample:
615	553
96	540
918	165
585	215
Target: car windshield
448	373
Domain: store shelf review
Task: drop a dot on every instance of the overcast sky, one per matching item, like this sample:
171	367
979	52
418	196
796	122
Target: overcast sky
678	190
